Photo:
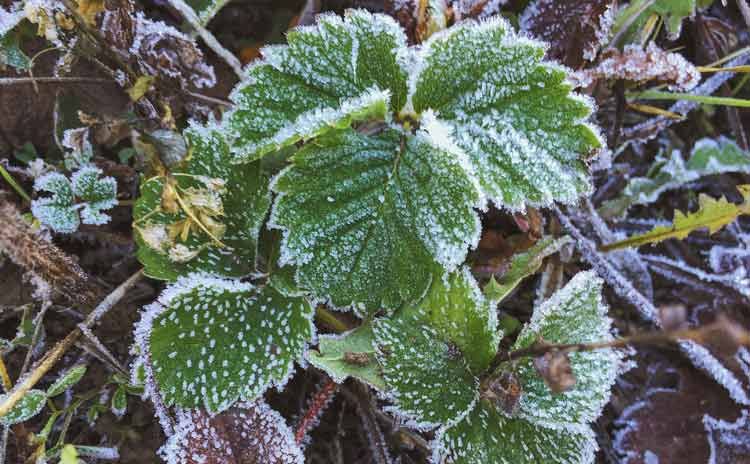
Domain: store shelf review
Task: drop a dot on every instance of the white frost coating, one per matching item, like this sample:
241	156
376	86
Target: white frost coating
248	339
723	436
9	18
250	431
703	359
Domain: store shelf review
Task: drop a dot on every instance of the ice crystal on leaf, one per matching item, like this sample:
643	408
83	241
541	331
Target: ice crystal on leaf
547	427
473	115
27	407
368	218
246	433
82	198
211	341
171	243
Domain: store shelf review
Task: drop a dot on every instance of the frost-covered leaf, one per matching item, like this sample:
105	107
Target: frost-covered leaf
712	214
96	194
707	158
368	218
575	29
86	193
351	354
428	378
211	341
119	402
246	433
160	219
523	265
575	314
488	436
459	312
729	442
513	114
206	9
56	211
71	377
29	406
640	65
10	52
329	75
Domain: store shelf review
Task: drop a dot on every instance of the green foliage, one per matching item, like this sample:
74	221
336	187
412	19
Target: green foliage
204	216
368	219
71	377
351	354
708	157
80	199
211	341
206	9
27	407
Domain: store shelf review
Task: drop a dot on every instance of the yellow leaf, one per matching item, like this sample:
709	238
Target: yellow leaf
712	214
69	455
141	86
88	9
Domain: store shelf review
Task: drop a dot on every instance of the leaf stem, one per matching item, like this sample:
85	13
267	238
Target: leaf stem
12	182
328	318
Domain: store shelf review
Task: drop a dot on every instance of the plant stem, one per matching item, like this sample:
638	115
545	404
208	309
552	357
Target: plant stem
328	318
51	357
704	99
317	406
53	80
12	182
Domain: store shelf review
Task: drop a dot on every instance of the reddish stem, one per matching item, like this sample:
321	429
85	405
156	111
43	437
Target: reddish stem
317	405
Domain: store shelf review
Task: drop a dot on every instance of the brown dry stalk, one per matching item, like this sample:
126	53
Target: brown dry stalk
51	357
29	250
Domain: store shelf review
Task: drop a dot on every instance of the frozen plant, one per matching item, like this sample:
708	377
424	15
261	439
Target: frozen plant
373	159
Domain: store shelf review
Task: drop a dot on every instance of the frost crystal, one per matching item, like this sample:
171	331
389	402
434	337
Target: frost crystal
367	219
246	433
61	211
211	341
729	442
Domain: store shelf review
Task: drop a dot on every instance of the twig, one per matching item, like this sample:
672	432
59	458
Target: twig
187	12
103	353
54	80
38	322
721	326
362	400
648	129
53	355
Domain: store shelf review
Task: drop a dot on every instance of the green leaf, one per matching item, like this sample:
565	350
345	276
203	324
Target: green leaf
672	12
488	436
244	199
29	406
523	265
11	54
328	76
206	9
69	455
66	380
707	158
712	214
351	354
85	191
367	218
575	314
119	402
514	114
428	379
457	310
212	341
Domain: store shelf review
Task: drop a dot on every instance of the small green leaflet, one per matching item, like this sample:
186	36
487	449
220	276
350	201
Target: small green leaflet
211	341
328	76
575	314
523	265
119	402
66	380
547	428
488	436
29	406
244	201
62	212
707	158
367	219
206	9
432	354
351	354
428	379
